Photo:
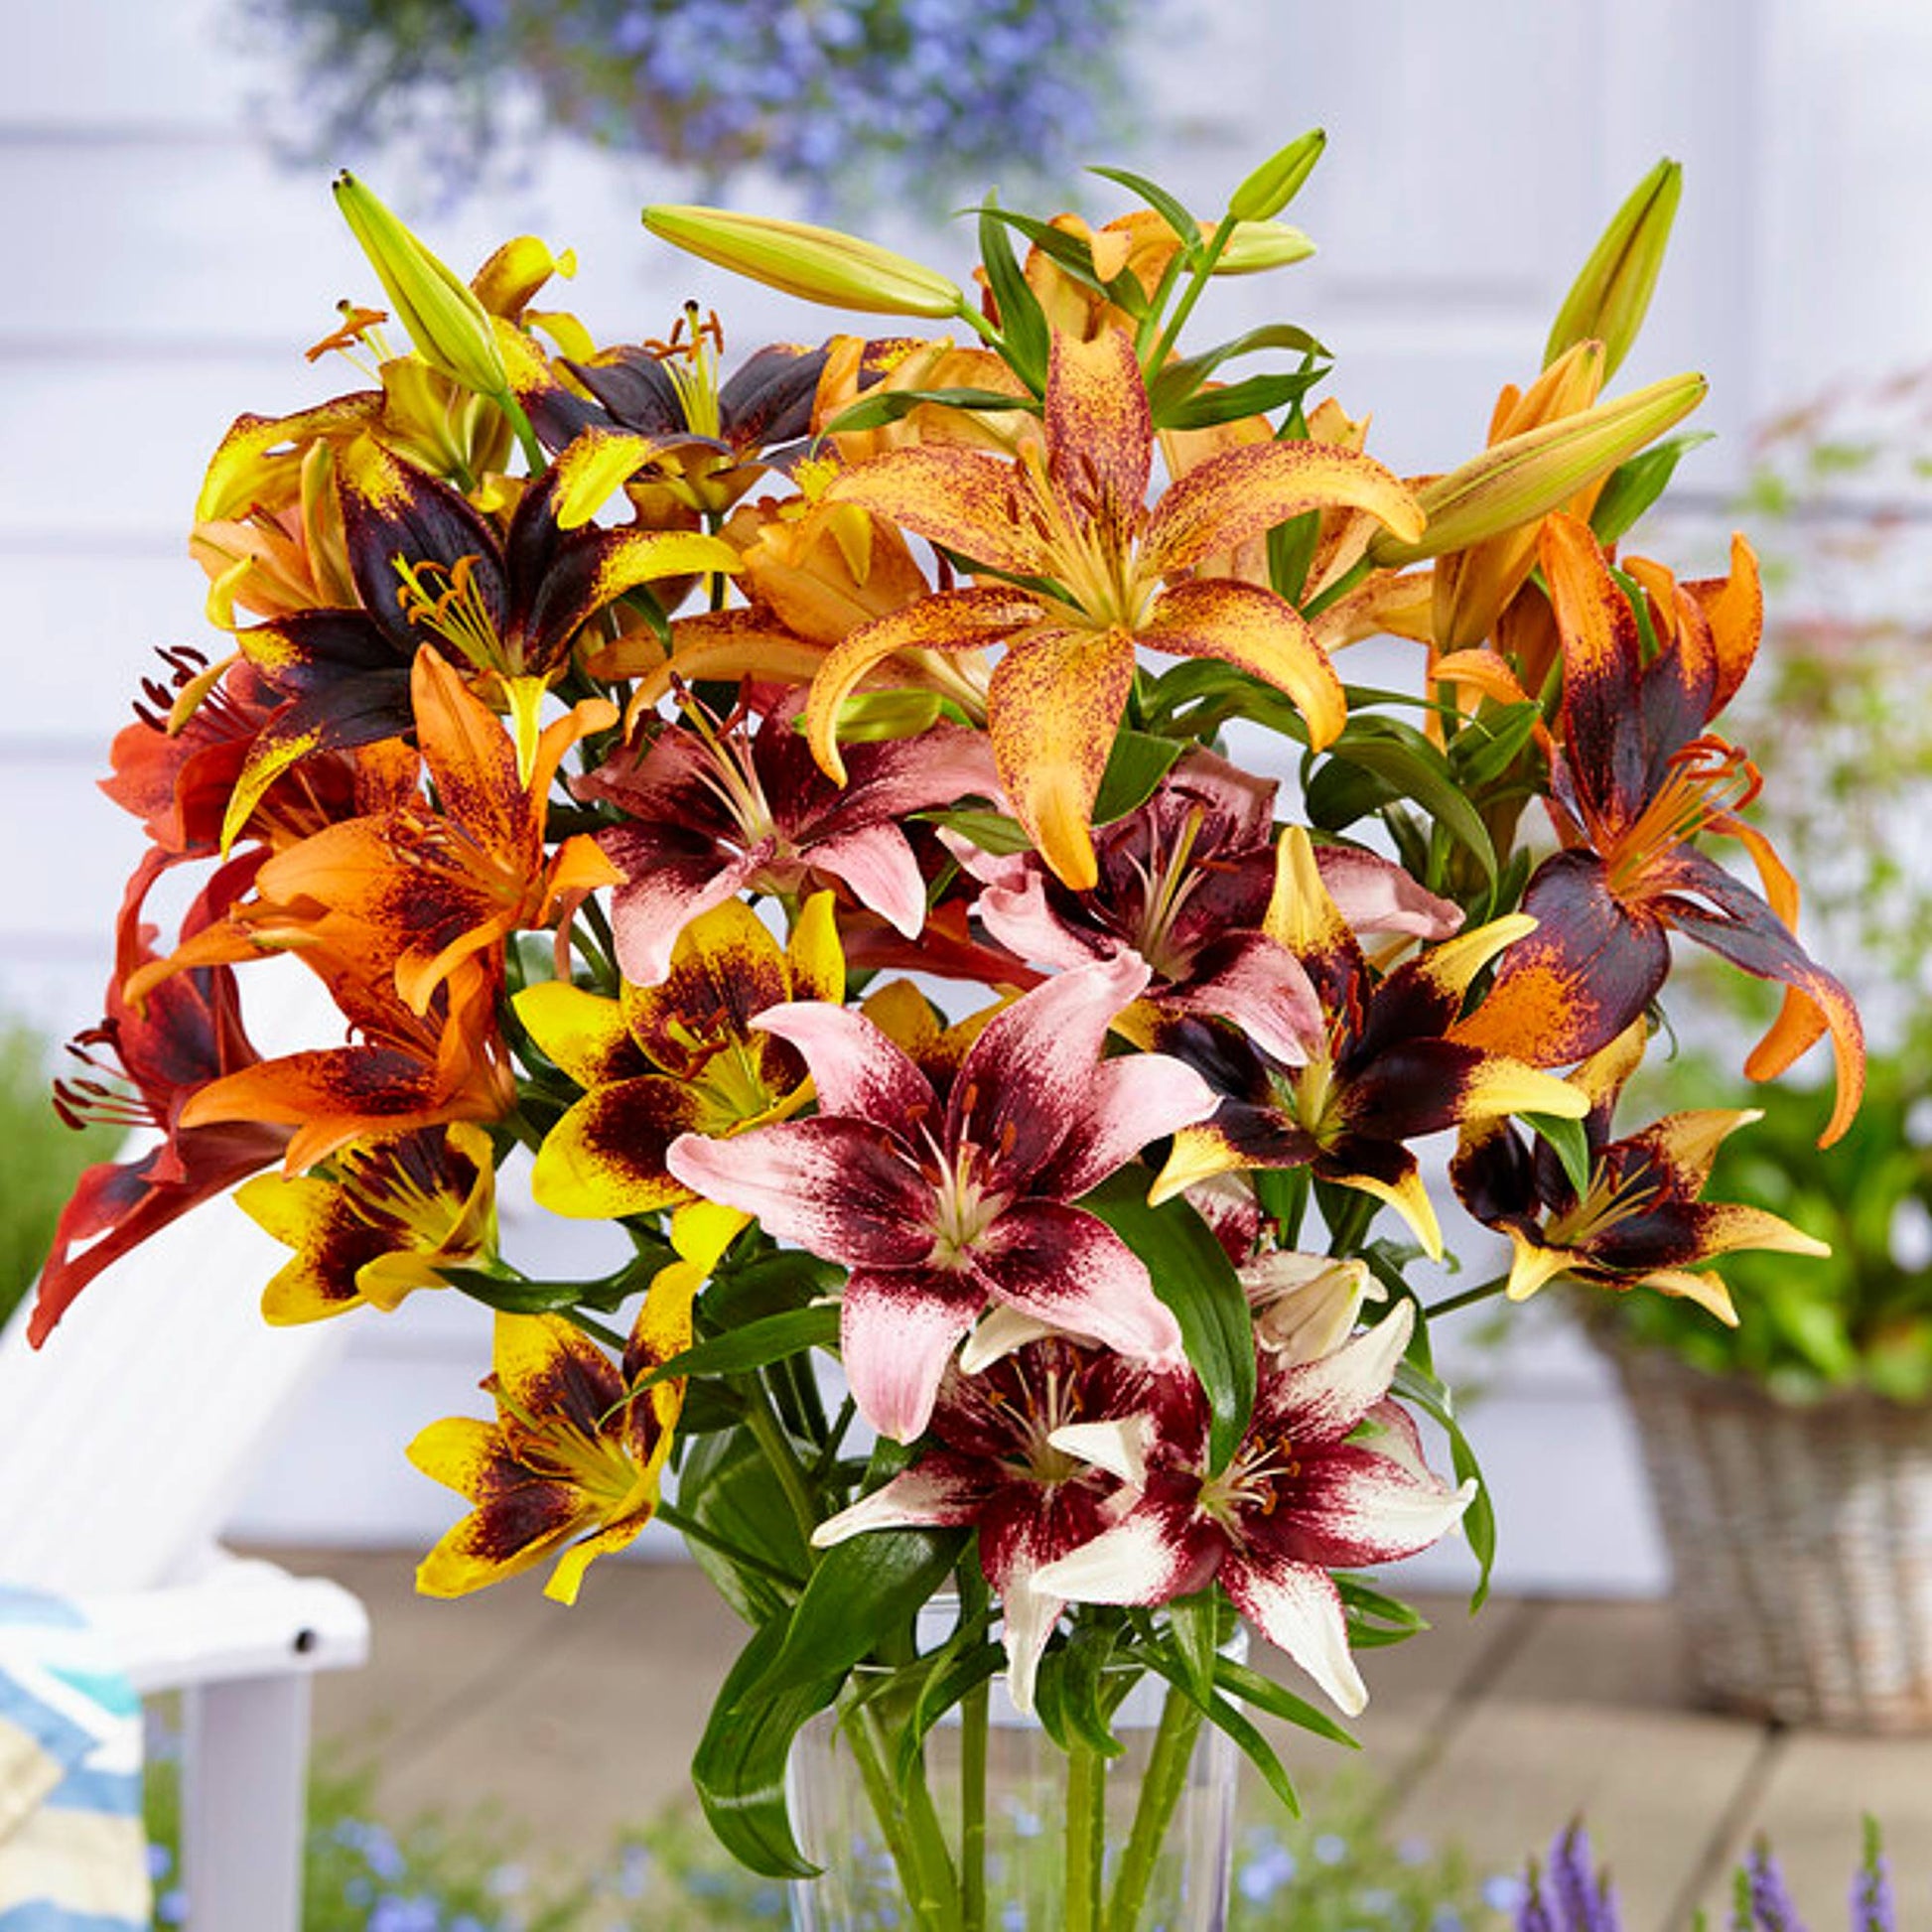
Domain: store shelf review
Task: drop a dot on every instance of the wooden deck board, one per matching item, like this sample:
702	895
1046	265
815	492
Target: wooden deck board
1489	1733
1587	1717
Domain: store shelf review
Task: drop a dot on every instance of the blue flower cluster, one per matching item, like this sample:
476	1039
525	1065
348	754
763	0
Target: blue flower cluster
857	100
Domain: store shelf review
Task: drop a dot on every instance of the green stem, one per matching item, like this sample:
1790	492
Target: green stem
940	1892
527	437
973	1740
1087	1837
1160	1788
985	330
1197	282
1467	1299
693	1531
771	1436
1340	587
861	1729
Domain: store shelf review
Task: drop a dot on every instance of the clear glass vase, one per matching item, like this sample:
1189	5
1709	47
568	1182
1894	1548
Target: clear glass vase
1037	1843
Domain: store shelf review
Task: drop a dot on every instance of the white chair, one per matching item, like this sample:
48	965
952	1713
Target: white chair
123	1444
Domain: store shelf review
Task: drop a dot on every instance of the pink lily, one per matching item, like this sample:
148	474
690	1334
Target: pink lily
942	1194
1184	883
997	1467
1310	1490
713	811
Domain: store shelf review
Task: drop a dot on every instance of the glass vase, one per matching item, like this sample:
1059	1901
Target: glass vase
1003	1831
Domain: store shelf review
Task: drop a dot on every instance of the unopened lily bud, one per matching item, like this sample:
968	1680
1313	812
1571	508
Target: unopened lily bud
816	264
1610	296
1306	1305
1528	475
1256	246
1279	179
449	326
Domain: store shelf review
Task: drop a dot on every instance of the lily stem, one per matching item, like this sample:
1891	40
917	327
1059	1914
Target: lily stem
1467	1299
1087	1837
771	1434
693	1531
974	1735
863	1733
526	436
1203	270
1162	1784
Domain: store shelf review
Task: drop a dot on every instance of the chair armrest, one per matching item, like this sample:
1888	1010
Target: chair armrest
241	1618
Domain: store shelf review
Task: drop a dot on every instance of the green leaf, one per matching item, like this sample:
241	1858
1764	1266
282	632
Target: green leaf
1255	395
1290	550
1135	766
1374	1617
757	1344
1193	1276
1070	252
1180	379
960	1668
1226	1716
1401	759
991	831
724	1484
1023	332
1253	1687
1158	200
885	406
1480	1519
862	1591
1197	1626
1633	486
513	1295
739	1771
1283	1195
1568	1141
769	1284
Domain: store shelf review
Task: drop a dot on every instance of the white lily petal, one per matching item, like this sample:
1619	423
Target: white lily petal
1030	1615
1134	1562
914	1498
1299	1609
1120	1446
1000	1331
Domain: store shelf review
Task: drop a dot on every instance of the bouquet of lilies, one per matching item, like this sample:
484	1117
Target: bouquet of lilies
790	816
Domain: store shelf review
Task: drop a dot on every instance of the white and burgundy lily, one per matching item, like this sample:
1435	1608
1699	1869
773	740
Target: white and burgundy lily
1184	883
1329	1476
714	810
943	1192
1002	1464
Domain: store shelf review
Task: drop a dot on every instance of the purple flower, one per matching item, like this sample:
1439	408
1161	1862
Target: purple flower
1771	1906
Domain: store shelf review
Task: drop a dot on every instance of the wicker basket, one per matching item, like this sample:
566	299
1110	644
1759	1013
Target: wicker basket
1801	1542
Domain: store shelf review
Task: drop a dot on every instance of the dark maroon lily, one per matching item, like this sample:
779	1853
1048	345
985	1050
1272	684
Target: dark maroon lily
432	571
143	1065
943	1194
1636	779
1184	883
713	810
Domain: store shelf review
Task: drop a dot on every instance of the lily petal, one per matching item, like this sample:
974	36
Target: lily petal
1299	1610
897	1331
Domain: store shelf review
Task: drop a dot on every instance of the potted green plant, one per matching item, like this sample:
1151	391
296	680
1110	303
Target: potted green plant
1791	1456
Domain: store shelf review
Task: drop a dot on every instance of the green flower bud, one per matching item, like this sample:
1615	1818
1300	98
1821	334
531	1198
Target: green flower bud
1527	476
1277	181
449	326
813	263
1256	246
1608	297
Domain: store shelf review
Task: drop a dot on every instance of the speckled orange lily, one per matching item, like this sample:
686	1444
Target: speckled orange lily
378	1223
677	1058
574	1458
1085	560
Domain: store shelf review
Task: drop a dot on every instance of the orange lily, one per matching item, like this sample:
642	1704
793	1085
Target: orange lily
440	886
1068	525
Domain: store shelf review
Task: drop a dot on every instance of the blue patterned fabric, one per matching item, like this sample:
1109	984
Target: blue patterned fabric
74	1854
